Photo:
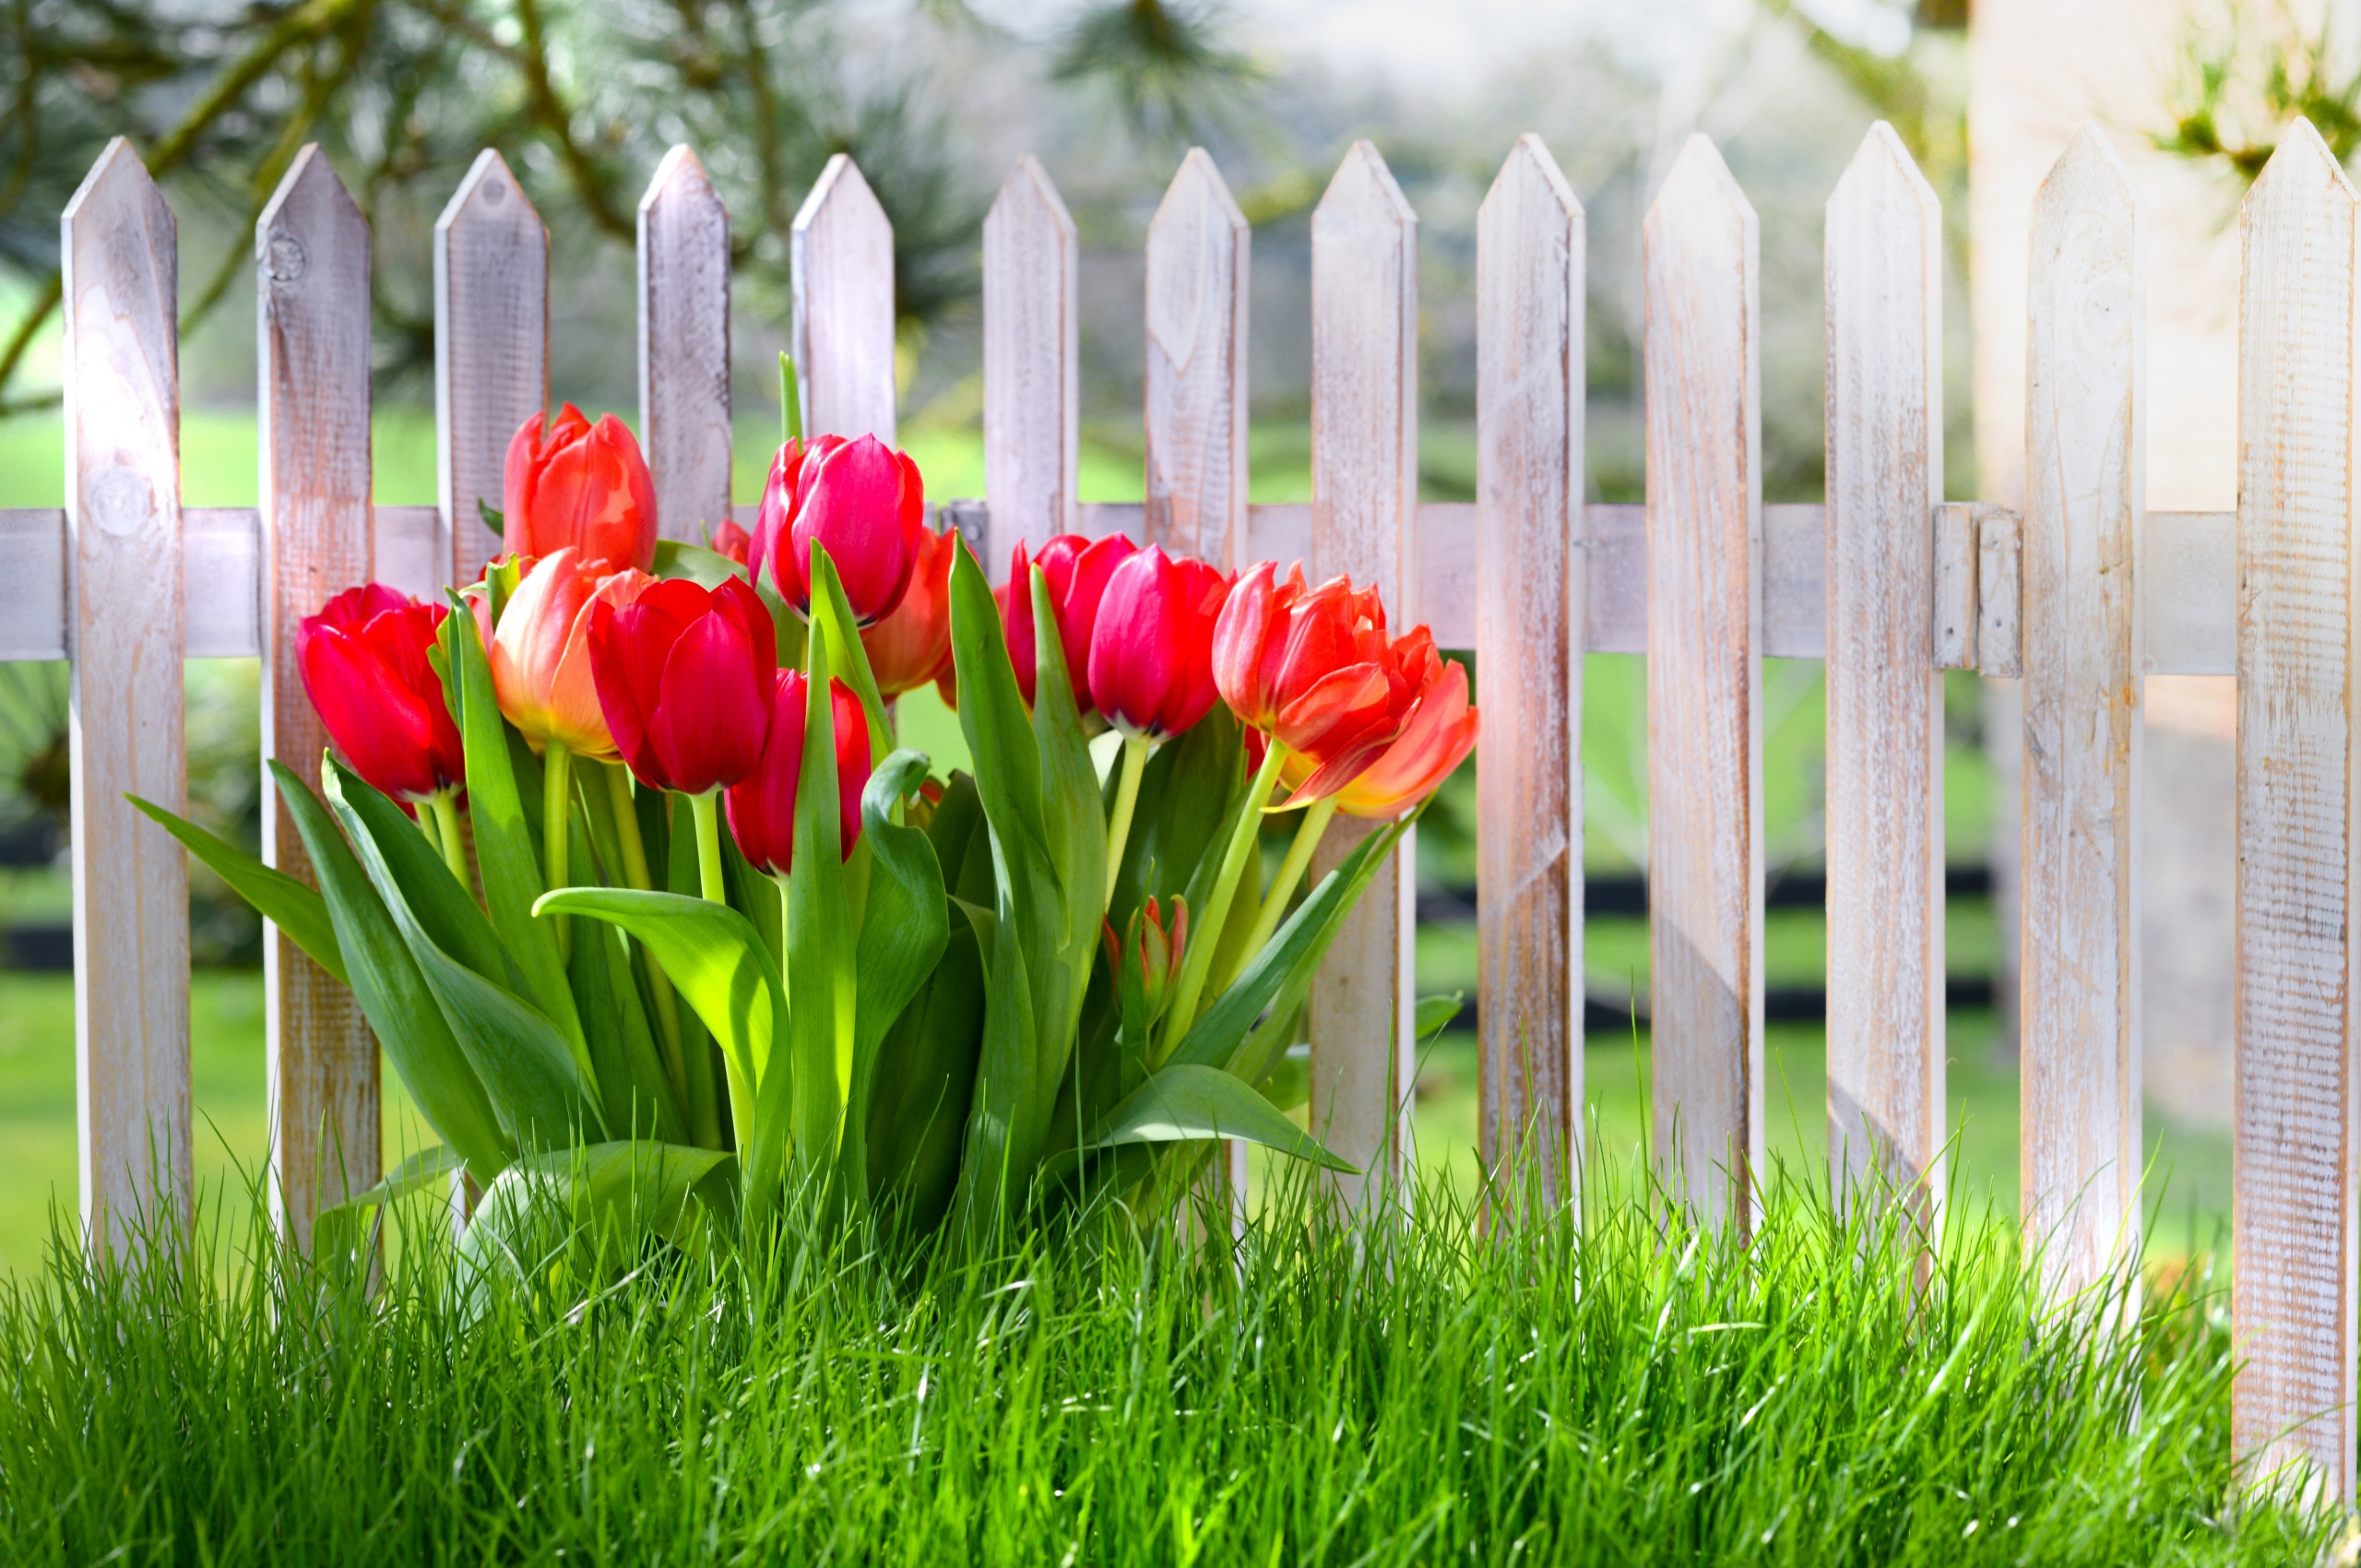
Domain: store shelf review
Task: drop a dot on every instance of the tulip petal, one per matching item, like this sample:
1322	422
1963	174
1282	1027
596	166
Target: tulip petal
712	714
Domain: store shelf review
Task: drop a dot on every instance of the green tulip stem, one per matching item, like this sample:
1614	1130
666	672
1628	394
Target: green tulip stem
707	811
1127	800
1308	833
557	810
1197	961
635	848
444	806
790	401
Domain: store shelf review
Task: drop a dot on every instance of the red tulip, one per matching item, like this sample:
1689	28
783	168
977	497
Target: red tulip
684	676
862	500
731	540
1440	734
762	806
363	659
1315	670
586	486
1078	570
539	654
912	646
1152	649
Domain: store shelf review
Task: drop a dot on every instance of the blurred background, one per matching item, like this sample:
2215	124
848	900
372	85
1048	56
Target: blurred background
936	99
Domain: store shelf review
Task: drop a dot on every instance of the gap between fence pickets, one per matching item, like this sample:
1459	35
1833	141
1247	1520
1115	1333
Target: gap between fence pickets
2187	581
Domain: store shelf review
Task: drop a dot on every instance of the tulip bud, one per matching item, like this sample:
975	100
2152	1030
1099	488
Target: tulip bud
540	656
1144	961
731	540
863	501
364	664
1151	651
912	646
1078	570
684	678
585	486
762	806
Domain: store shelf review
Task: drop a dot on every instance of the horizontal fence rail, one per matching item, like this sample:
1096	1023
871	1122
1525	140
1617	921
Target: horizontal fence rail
2080	597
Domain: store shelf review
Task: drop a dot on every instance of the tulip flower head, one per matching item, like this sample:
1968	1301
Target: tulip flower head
863	501
1438	737
582	485
1078	570
731	540
1314	669
363	659
539	651
1152	648
684	676
912	646
762	805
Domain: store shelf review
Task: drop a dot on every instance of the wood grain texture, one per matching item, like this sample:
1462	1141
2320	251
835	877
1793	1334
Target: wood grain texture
842	252
2080	950
1199	257
126	721
1999	573
1956	562
2298	941
1364	489
408	551
491	349
1032	363
1886	1123
684	346
1705	553
312	357
1531	590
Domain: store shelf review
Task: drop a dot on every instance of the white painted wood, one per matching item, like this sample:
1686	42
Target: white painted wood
2000	629
842	252
1364	490
1032	362
126	731
1884	288
491	350
1199	255
1704	574
222	566
1531	589
408	549
32	582
1956	561
2084	465
2299	788
2188	593
312	359
684	346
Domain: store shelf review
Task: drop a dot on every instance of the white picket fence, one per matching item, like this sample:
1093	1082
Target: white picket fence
2083	596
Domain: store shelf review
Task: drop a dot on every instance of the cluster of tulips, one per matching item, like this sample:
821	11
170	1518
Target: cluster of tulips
805	960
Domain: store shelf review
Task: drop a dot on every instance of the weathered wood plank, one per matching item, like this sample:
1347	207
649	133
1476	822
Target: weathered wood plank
2085	467
2000	570
1955	586
1198	255
1032	363
842	252
684	346
33	594
2298	941
491	349
1704	641
127	730
1364	488
1884	284
312	358
408	552
1531	589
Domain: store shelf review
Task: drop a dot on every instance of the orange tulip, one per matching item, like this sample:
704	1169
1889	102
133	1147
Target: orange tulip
912	646
539	652
1438	737
1314	669
583	485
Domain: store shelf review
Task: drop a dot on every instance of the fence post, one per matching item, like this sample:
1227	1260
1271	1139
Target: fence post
842	253
312	354
1364	492
2085	473
684	346
1885	696
1533	583
1704	450
491	349
1199	254
126	728
1032	367
2293	1293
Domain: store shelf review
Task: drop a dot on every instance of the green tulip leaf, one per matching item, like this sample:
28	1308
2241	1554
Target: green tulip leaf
1186	1101
611	1196
698	563
632	1092
428	1166
398	857
924	1082
299	911
848	656
903	930
821	979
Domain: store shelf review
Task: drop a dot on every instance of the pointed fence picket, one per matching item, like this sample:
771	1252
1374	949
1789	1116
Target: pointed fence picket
1889	583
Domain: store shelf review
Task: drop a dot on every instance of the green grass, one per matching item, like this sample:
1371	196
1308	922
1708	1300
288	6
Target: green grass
1619	1389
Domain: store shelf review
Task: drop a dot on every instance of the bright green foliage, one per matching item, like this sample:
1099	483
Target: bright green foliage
1617	1389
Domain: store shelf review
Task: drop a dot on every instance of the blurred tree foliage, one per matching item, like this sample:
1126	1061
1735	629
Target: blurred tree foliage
2245	74
582	95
